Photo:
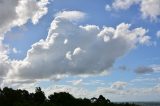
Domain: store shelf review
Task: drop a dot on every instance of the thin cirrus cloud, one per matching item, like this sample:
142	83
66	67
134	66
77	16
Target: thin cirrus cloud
76	82
89	50
148	8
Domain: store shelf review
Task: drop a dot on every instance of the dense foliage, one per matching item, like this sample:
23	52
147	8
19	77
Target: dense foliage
11	97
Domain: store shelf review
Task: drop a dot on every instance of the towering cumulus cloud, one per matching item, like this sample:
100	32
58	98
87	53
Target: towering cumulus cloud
70	49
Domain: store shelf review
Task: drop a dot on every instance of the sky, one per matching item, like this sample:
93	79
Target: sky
84	47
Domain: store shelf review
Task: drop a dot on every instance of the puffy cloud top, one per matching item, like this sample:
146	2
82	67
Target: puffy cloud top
70	49
16	13
71	15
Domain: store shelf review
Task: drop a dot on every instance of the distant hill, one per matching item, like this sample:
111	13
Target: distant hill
11	97
148	103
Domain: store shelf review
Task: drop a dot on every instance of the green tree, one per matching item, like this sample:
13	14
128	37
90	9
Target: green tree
39	96
62	99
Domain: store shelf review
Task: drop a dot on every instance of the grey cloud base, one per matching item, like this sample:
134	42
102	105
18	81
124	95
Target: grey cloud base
147	69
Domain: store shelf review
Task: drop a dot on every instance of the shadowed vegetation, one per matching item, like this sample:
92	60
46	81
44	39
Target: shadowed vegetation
11	97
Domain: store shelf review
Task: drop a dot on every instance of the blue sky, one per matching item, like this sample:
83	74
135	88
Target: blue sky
111	47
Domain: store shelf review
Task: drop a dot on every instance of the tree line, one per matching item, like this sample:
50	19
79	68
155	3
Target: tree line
11	97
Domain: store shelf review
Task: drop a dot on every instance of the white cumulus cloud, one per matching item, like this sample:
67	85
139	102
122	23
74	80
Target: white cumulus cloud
16	13
89	50
123	4
71	15
148	8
